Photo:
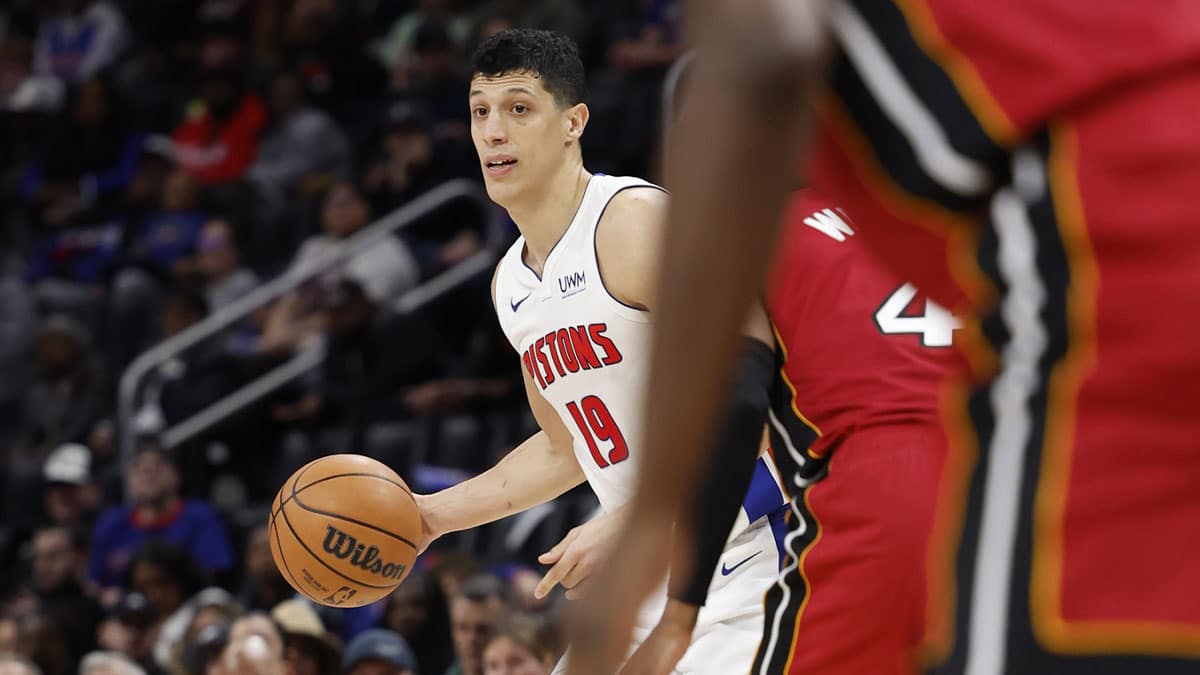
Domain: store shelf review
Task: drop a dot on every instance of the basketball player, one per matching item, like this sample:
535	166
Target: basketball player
573	297
1033	162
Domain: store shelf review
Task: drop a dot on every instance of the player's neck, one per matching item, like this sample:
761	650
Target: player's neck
546	215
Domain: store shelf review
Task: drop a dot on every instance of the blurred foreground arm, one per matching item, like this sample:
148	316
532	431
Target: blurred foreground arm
734	156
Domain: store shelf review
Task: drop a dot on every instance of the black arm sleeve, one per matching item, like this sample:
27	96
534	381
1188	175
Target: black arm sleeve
725	478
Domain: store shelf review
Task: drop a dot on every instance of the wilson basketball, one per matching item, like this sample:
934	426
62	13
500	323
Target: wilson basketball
344	530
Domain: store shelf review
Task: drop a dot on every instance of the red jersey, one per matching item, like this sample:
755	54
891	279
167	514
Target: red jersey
1034	162
860	347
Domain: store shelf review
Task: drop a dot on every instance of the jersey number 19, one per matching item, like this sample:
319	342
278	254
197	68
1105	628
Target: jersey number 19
595	422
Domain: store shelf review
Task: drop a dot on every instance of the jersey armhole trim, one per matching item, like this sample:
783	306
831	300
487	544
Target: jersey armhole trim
638	314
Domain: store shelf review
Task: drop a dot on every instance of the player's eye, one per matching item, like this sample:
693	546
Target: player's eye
479	111
520	109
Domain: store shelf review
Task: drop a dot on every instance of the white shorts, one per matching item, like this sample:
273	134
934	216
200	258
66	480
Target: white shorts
729	627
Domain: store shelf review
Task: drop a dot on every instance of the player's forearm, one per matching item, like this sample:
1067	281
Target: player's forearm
533	473
743	110
707	517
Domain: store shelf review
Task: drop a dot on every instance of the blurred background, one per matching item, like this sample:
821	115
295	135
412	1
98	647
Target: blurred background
186	315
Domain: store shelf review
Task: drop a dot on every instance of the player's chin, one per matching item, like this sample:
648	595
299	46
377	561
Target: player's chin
501	188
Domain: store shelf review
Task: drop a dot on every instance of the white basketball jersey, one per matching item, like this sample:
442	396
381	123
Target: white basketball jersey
588	353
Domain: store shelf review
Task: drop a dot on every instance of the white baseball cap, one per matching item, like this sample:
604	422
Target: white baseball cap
69	463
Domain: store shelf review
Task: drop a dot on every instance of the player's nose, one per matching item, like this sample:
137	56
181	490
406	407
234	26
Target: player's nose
495	132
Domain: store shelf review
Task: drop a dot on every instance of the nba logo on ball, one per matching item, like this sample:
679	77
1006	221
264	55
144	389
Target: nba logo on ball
343	530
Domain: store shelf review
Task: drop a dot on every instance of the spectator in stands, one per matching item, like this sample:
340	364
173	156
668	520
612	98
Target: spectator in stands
71	496
303	150
379	652
108	663
166	242
167	576
88	161
219	140
177	636
219	263
418	611
308	649
255	647
338	74
412	160
12	664
521	646
59	556
40	640
163	252
263	585
185	385
79	39
129	628
68	394
374	353
396	48
433	77
475	612
385	270
156	511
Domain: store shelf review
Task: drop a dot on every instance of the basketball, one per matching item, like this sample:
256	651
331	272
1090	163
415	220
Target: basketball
344	530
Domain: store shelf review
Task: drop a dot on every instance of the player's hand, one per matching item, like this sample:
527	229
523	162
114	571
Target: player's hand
667	642
601	625
579	554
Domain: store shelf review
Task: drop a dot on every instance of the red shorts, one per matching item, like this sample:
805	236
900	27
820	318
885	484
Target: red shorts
854	604
1073	486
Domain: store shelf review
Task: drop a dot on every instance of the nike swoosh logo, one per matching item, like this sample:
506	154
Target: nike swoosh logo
726	571
517	305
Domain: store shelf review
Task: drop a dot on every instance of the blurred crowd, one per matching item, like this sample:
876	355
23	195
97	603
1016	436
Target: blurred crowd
160	160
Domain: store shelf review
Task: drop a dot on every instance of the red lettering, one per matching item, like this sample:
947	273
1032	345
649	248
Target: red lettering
584	352
611	355
537	350
596	422
553	349
533	372
564	348
573	408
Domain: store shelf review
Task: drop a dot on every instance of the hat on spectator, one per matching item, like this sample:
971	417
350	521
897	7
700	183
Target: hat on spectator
69	463
300	622
382	645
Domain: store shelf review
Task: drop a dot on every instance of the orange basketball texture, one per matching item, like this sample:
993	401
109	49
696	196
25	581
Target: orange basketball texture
344	530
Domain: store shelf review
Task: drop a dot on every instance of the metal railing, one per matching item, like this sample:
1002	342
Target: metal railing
310	356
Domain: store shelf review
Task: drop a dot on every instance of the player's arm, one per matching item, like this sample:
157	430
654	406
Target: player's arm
536	471
628	243
735	155
732	160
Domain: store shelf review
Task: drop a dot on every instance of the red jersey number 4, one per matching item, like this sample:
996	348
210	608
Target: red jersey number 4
936	325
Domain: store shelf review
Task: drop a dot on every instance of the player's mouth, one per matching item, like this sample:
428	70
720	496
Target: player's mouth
499	166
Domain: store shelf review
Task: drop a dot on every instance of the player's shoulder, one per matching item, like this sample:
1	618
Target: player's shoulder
633	217
635	205
628	236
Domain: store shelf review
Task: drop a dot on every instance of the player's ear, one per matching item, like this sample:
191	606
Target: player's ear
576	120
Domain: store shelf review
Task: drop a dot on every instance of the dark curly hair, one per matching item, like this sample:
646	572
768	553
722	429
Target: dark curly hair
547	55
